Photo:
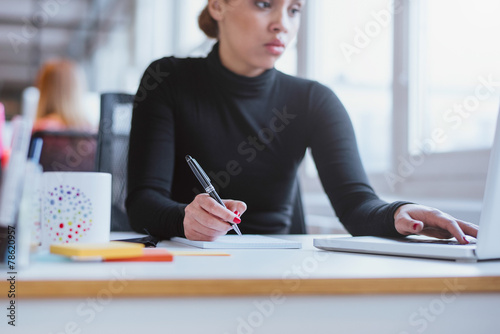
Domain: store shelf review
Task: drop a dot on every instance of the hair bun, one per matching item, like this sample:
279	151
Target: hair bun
207	24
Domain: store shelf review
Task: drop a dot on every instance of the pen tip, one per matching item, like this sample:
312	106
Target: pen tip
188	157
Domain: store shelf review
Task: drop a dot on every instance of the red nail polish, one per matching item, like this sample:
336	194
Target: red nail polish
415	226
236	220
237	213
466	241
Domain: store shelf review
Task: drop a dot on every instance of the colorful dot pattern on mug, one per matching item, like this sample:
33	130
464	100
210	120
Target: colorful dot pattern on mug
67	214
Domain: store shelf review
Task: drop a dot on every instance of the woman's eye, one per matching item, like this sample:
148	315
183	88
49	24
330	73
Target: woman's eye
295	11
263	4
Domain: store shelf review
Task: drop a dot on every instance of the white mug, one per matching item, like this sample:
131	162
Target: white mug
76	207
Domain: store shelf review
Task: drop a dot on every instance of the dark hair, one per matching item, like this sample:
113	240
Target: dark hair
207	23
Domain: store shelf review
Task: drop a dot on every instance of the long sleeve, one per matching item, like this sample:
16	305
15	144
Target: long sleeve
334	149
151	157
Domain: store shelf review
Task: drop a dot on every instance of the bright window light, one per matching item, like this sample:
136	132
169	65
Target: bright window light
456	81
353	56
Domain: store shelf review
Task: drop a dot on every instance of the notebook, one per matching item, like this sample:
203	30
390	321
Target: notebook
486	247
247	241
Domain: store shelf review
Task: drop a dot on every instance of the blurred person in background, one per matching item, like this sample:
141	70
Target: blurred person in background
62	85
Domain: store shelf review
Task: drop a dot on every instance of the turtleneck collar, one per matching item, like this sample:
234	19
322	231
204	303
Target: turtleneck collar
238	84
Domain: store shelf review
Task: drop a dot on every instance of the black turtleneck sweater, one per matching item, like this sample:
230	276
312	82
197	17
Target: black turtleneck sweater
250	135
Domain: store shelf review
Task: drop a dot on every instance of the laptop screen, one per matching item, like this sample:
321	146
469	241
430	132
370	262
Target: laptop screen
489	224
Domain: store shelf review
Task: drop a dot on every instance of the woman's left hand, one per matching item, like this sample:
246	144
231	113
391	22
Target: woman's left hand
419	219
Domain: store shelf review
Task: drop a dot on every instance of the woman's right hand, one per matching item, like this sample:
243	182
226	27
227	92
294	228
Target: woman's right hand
205	219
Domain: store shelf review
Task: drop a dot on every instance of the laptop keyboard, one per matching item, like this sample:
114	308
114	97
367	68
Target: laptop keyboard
437	241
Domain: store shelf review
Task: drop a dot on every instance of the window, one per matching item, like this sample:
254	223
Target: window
352	43
456	74
445	97
190	40
420	80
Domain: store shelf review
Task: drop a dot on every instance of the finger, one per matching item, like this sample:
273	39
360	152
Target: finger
436	233
406	225
468	228
193	234
447	224
235	206
210	205
198	218
208	224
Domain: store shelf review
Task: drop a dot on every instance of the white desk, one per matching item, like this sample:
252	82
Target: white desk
259	291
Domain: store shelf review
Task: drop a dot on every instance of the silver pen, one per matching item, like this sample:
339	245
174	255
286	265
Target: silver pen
207	185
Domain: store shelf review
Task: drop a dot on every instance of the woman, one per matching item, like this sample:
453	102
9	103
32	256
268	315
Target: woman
249	126
61	84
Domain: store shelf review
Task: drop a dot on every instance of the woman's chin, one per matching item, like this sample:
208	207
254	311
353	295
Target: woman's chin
268	63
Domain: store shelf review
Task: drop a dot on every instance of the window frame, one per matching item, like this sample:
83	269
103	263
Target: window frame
458	174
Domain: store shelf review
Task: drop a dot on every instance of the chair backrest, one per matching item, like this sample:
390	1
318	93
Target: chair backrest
66	150
112	152
298	225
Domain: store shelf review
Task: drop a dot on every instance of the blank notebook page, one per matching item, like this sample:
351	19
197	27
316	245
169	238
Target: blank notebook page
243	241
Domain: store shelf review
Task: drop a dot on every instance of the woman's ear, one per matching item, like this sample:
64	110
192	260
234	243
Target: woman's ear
216	9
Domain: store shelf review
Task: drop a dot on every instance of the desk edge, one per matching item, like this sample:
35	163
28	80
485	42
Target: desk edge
251	287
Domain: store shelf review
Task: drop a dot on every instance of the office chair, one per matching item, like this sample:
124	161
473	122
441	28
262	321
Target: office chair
298	225
66	150
112	152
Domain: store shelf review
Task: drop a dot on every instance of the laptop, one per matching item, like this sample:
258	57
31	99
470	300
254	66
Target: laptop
486	246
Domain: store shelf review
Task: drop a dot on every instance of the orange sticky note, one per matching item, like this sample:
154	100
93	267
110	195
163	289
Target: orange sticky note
148	255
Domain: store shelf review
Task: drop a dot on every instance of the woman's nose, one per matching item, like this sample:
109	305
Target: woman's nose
280	22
